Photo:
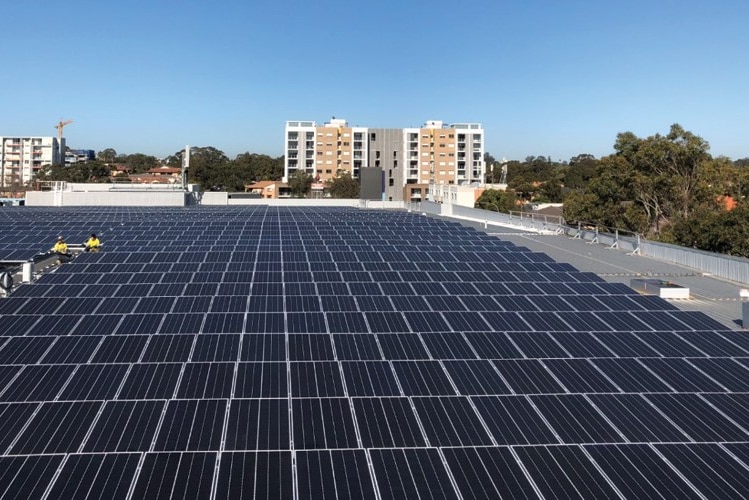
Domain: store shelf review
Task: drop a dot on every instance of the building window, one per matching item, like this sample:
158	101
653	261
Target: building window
377	154
372	137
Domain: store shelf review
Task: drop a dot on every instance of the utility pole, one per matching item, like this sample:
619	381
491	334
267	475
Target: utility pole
185	166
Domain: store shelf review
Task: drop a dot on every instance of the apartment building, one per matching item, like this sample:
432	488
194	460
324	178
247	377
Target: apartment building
324	151
410	158
22	157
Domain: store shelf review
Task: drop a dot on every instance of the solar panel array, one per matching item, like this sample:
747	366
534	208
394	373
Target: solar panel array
336	353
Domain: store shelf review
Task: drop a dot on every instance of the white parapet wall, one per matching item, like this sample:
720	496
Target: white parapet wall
99	195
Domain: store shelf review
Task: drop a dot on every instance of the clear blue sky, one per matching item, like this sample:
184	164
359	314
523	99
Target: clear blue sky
552	78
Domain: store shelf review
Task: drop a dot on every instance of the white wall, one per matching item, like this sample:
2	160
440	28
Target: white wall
105	198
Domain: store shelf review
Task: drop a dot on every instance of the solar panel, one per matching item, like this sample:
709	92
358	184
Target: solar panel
311	352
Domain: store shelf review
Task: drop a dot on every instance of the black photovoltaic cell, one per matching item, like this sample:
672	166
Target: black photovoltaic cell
210	347
536	345
278	352
37	383
564	472
56	428
726	372
628	375
493	345
637	418
120	349
324	423
261	380
392	468
206	381
151	381
402	346
512	420
93	382
25	350
334	474
72	349
637	471
125	426
16	324
528	376
476	377
575	420
316	379
681	375
255	475
25	477
90	476
488	473
192	425
263	348
372	378
713	343
697	418
175	475
423	378
309	347
448	345
579	376
168	348
450	422
258	424
387	422
357	347
669	344
714	472
626	344
13	416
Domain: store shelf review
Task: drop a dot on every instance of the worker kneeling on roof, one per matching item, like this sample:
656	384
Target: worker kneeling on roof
93	244
61	249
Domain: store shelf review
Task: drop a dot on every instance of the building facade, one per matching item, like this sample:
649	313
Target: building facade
22	157
79	156
411	158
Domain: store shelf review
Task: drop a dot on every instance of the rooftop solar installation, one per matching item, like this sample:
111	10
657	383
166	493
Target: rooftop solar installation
278	352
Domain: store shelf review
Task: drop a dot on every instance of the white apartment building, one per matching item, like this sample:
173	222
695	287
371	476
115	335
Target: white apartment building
22	157
410	158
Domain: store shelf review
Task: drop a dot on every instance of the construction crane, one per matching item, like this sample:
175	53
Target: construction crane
60	125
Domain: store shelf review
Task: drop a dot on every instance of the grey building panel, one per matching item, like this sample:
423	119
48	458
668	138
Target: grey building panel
386	151
371	183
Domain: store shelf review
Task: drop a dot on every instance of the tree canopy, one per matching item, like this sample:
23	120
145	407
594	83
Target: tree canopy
300	183
497	201
343	186
668	187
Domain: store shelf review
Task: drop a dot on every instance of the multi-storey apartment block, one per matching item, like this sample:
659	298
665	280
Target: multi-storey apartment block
410	158
22	157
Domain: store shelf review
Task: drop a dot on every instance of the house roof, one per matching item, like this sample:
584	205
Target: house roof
165	170
152	179
264	184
